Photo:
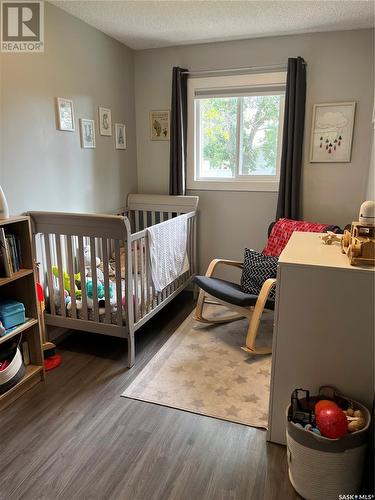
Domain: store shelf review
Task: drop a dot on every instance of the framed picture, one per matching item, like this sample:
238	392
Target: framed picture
332	132
87	130
65	114
159	125
120	136
105	121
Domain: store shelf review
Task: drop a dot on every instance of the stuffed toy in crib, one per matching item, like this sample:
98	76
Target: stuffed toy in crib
89	285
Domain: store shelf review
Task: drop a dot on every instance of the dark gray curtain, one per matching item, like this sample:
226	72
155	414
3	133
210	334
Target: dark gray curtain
177	176
289	201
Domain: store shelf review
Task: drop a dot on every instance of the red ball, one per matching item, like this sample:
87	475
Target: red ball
324	403
332	422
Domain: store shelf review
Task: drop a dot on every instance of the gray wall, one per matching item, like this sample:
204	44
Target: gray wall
370	192
340	68
43	168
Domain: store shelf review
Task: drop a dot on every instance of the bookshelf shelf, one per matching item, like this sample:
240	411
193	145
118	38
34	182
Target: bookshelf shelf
19	329
16	276
21	286
34	373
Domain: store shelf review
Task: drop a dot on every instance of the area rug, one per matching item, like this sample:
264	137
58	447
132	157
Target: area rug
202	369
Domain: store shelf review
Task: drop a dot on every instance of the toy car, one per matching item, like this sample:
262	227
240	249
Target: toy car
359	244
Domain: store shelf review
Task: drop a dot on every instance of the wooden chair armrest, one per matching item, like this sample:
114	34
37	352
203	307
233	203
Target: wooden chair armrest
266	289
216	262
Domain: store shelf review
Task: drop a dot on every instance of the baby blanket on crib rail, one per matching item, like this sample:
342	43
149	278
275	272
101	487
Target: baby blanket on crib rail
168	257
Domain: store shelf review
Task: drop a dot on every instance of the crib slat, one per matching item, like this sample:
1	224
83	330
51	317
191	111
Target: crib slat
193	270
170	215
161	216
144	219
148	278
94	278
60	274
136	219
152	218
51	292
195	266
82	271
118	282
135	279
106	281
190	220
71	277
141	277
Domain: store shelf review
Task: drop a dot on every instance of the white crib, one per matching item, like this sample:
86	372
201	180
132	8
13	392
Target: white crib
60	240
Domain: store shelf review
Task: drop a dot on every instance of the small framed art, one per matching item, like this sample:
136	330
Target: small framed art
65	114
87	131
332	132
159	125
120	136
105	121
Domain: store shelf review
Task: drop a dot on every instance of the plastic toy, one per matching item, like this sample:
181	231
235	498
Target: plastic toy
332	422
311	428
300	410
324	403
100	289
316	431
66	277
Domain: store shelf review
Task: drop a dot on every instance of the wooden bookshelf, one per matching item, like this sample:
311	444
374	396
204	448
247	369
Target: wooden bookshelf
21	286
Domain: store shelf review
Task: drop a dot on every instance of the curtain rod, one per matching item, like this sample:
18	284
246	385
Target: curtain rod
253	69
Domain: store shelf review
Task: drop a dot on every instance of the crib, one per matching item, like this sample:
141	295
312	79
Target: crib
62	242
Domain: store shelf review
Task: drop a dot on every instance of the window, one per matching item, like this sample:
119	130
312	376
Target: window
235	129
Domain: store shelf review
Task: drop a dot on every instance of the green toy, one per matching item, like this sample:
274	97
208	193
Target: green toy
100	287
77	277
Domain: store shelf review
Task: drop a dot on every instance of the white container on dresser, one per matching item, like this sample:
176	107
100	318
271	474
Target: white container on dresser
324	326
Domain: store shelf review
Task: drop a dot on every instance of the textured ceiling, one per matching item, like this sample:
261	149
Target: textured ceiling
150	24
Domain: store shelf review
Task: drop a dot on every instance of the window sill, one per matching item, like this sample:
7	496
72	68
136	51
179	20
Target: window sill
271	186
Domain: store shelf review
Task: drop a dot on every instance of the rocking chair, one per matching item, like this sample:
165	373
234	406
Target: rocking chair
230	294
246	305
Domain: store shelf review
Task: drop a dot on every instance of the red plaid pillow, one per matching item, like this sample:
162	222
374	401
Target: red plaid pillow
282	231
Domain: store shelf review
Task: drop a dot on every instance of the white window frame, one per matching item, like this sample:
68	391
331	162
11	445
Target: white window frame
240	182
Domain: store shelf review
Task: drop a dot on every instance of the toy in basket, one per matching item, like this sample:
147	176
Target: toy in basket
359	242
326	439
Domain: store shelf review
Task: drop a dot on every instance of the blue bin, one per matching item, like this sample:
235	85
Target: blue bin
12	313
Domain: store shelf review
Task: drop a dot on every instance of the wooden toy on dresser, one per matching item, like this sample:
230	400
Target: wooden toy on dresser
359	242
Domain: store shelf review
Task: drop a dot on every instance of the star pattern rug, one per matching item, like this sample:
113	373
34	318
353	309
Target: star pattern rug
202	369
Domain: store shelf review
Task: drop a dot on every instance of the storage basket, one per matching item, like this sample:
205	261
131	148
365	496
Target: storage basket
13	373
322	468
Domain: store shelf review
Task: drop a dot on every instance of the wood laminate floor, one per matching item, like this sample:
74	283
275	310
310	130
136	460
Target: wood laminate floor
74	437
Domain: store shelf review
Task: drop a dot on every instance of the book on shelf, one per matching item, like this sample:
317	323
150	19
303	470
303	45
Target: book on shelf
10	254
5	260
25	353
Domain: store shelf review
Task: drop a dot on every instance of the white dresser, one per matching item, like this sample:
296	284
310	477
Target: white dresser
324	326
